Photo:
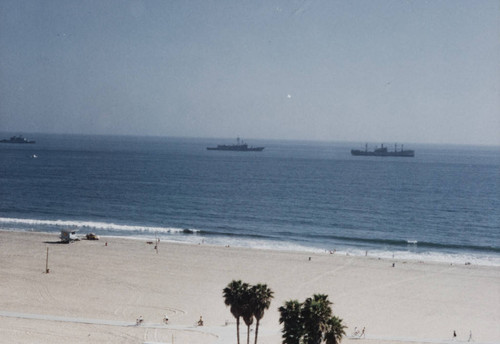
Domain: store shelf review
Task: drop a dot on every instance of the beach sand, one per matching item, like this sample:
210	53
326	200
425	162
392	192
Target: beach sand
94	293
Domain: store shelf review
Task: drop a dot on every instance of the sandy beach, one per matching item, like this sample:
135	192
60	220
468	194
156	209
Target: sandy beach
95	292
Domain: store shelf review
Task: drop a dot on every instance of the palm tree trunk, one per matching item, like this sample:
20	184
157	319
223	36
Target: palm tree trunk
256	330
248	334
238	329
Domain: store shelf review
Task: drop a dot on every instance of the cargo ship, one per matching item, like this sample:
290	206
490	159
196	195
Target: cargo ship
17	139
240	146
383	151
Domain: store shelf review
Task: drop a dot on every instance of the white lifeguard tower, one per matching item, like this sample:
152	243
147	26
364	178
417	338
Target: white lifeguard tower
68	235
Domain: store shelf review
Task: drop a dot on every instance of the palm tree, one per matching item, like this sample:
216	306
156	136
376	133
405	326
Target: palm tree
261	300
310	322
315	313
233	297
335	331
290	317
247	312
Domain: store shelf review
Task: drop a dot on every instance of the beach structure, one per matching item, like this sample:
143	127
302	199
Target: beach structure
68	235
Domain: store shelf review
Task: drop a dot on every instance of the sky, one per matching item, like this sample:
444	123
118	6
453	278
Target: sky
407	71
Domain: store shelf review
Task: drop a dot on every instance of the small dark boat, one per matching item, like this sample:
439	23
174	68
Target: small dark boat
383	151
17	139
240	146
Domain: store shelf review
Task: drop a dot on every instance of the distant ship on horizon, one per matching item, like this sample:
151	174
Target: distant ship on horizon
383	151
240	146
17	139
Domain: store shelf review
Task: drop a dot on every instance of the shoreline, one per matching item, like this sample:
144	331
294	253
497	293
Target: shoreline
412	302
420	257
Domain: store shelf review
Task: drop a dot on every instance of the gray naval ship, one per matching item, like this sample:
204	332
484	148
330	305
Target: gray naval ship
240	146
17	139
383	151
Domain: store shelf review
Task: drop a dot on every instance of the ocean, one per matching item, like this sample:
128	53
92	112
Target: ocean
442	205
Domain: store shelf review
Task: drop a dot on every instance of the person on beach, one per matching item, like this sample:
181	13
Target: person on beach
200	322
454	335
165	319
139	320
470	336
362	333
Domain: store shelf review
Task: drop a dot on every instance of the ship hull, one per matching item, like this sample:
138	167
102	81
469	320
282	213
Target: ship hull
237	149
6	141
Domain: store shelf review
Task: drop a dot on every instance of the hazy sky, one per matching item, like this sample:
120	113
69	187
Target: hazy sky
367	71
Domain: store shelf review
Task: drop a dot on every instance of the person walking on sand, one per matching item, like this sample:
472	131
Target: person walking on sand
200	322
470	336
362	333
454	335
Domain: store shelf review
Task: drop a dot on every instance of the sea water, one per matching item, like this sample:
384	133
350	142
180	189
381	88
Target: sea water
441	205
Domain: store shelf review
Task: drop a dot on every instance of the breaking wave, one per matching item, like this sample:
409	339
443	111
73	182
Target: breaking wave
381	248
35	224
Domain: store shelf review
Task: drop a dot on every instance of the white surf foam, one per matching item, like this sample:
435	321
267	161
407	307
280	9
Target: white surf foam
169	234
91	225
396	256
